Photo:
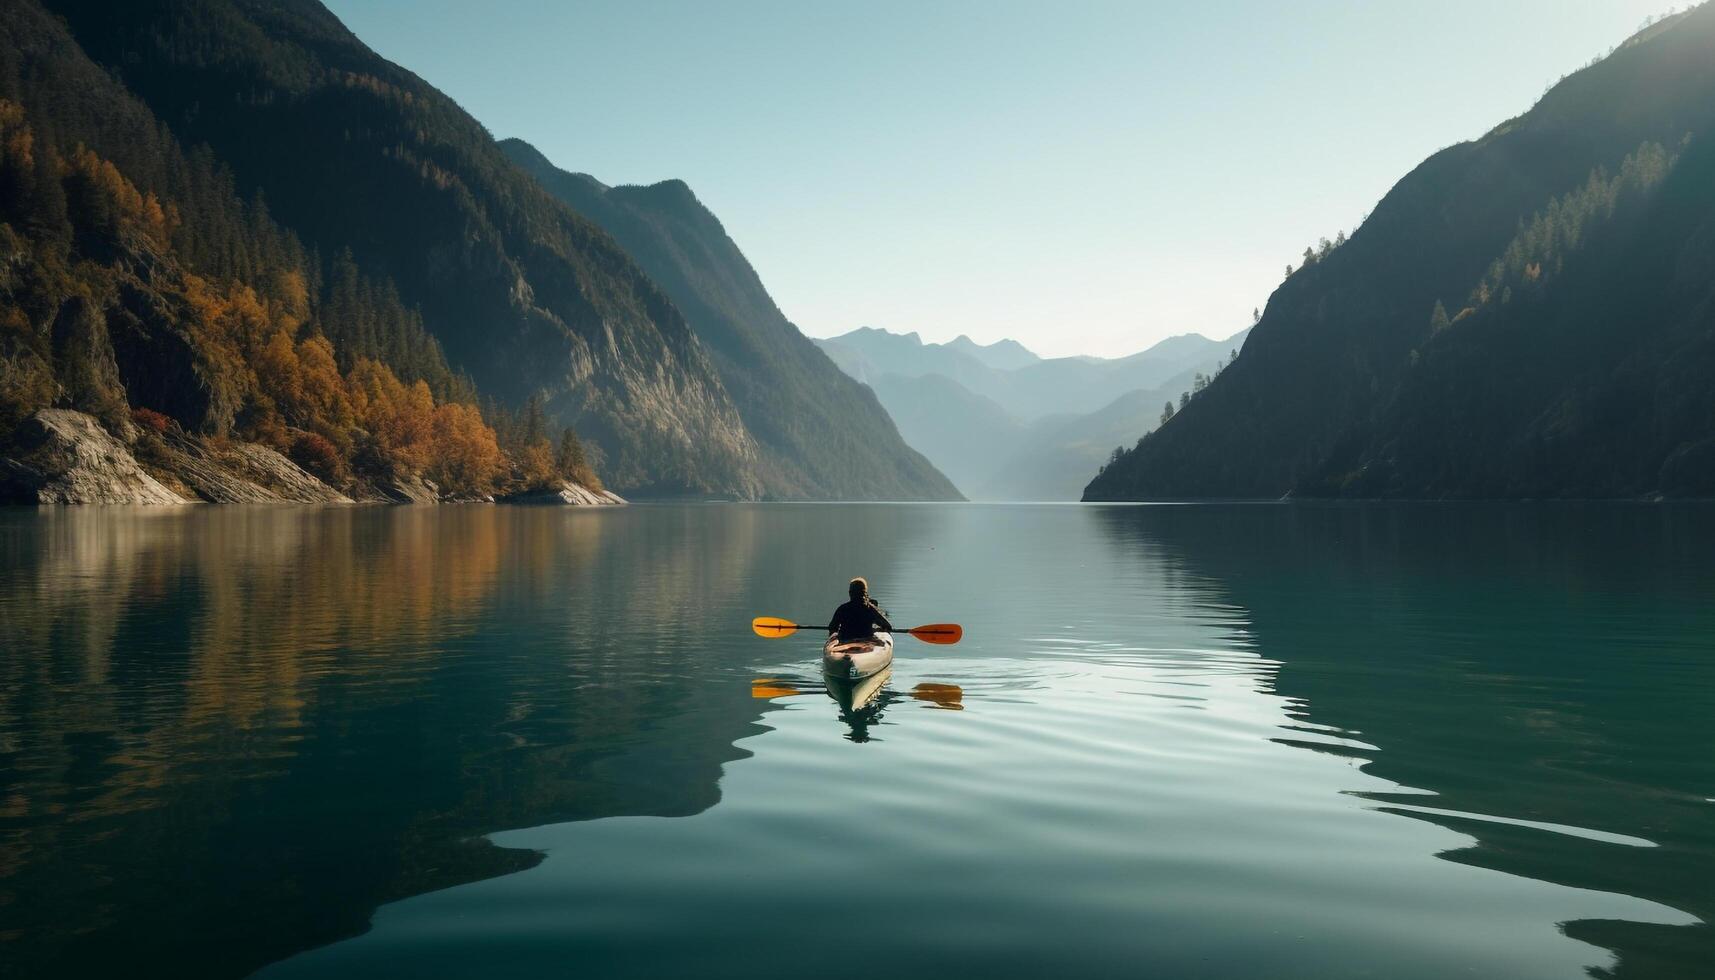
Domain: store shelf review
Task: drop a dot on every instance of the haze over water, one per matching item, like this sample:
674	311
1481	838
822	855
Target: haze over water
1224	741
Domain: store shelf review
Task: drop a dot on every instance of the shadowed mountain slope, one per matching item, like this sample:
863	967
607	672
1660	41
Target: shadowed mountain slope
1525	315
822	434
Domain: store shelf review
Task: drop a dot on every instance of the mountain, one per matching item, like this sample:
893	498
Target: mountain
1033	431
1056	454
963	432
1002	355
163	339
868	353
1036	386
877	351
991	455
822	434
352	154
1530	314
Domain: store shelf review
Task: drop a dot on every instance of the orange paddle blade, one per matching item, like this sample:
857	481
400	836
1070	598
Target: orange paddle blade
944	633
773	627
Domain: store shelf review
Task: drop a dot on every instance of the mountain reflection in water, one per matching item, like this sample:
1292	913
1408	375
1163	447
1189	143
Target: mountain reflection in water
1293	740
1544	675
282	718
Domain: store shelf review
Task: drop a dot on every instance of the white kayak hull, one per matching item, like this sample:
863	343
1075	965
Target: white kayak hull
854	660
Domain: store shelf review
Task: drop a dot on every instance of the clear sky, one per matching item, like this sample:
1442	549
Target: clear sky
1085	177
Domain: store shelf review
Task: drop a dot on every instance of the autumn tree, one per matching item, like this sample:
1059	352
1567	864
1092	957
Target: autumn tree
571	462
331	369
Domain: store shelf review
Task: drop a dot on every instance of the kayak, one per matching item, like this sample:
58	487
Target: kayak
853	660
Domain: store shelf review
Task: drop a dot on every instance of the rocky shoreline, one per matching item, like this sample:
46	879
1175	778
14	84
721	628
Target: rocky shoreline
62	456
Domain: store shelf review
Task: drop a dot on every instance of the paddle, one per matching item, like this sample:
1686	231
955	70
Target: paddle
773	628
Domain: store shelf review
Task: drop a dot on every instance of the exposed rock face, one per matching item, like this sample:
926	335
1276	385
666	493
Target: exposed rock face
409	490
66	457
279	475
159	362
565	494
243	473
61	456
84	359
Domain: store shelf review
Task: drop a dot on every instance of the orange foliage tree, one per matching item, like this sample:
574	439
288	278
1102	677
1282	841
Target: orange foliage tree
285	375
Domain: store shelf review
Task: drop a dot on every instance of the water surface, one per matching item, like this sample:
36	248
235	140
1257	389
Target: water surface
1214	741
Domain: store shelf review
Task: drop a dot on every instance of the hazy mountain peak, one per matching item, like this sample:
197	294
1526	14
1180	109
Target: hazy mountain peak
1005	354
880	333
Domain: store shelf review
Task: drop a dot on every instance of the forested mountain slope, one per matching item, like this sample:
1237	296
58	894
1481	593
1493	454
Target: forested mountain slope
1527	314
137	287
822	434
352	153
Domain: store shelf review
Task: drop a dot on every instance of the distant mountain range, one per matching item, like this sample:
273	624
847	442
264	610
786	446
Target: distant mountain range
1005	424
1529	314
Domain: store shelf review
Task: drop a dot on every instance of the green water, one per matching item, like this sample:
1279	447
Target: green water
1177	741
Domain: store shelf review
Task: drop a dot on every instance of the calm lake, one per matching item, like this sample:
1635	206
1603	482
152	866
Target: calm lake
1235	741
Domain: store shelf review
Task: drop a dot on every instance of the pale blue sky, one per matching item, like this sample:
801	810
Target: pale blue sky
1086	177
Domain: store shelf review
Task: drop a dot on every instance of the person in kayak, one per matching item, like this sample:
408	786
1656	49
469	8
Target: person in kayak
859	618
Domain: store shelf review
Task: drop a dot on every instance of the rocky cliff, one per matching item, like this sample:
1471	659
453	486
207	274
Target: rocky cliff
63	456
66	457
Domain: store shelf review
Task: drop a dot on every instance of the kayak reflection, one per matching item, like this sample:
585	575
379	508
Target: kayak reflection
861	702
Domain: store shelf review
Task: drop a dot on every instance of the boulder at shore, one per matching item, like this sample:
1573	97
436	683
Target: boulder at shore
238	473
563	494
61	456
66	457
408	490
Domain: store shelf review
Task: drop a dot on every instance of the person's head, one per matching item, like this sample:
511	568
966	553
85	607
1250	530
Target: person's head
858	588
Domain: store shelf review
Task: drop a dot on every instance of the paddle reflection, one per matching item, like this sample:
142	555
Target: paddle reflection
863	702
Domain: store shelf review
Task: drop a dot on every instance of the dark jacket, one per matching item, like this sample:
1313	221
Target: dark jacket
858	619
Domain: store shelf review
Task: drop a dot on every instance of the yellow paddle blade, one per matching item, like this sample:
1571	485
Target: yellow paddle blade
773	627
945	633
949	696
768	688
